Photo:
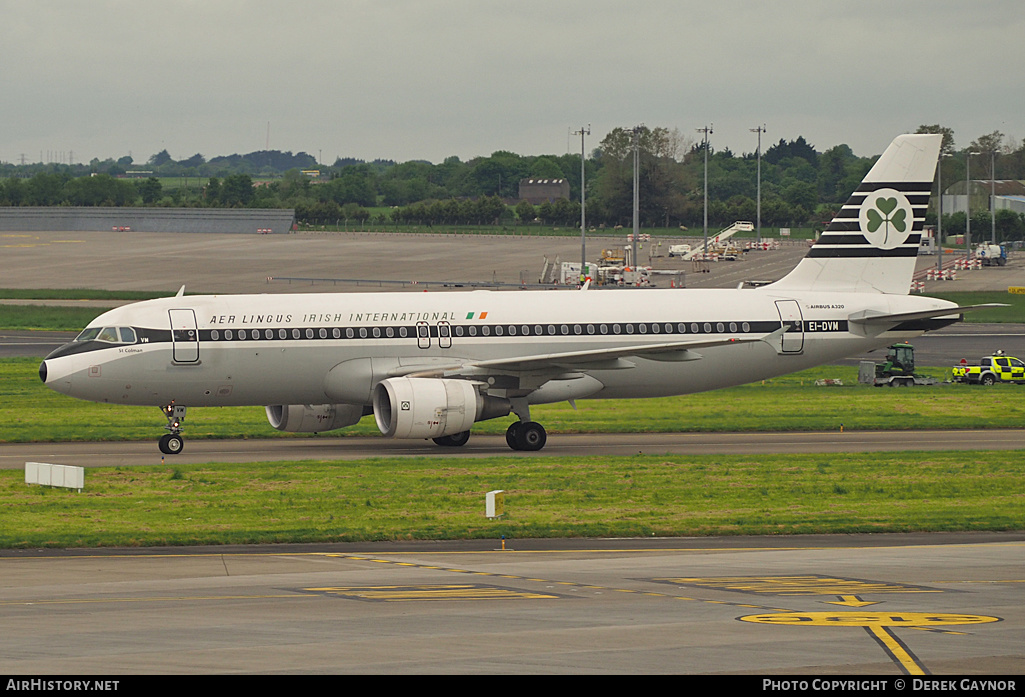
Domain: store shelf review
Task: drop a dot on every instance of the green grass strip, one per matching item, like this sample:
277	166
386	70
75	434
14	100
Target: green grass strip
427	498
48	317
30	412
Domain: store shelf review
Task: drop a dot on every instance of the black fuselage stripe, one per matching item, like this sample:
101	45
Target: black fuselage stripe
821	251
462	332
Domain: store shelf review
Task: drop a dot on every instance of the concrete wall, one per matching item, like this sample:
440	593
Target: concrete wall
222	220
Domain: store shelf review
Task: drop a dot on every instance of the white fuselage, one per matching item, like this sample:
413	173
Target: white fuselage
331	348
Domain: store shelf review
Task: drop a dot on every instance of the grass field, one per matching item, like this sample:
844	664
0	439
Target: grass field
30	412
432	498
439	498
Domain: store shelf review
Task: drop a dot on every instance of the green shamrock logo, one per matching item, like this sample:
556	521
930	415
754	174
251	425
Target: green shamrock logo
887	206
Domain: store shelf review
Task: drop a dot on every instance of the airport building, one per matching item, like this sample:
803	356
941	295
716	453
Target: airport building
1007	193
537	191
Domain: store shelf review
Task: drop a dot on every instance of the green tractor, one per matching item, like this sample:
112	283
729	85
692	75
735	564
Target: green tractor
897	371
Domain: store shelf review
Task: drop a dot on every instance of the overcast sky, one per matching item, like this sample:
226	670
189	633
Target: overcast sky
426	79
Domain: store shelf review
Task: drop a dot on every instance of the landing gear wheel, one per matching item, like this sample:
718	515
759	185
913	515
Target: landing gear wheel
512	434
454	441
171	444
526	435
532	436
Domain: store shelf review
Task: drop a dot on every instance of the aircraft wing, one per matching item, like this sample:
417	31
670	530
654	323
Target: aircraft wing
598	359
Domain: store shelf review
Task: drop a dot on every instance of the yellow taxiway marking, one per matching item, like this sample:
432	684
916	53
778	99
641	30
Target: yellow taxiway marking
852	601
896	650
879	626
810	584
868	619
429	592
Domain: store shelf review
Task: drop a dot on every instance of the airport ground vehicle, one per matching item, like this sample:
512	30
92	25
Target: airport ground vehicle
897	371
990	370
991	254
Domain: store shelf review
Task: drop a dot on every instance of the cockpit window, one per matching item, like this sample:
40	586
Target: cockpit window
112	335
108	334
88	334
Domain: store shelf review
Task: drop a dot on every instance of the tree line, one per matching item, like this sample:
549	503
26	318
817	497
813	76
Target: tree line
800	185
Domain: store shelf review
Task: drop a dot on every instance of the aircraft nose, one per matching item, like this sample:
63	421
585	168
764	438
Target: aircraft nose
42	371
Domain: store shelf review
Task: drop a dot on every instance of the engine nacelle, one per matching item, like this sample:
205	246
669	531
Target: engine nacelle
313	418
431	408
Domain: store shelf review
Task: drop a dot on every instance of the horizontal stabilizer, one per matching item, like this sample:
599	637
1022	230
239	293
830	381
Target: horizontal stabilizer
869	318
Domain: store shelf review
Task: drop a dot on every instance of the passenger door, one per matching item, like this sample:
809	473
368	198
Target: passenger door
184	336
791	319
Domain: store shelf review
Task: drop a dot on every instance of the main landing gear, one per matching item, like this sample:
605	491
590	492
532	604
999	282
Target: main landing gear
521	435
526	435
172	443
453	441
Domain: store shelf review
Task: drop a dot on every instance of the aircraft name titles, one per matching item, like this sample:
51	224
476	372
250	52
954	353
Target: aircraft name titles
315	318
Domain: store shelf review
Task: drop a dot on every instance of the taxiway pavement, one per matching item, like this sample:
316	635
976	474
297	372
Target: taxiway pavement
890	606
124	454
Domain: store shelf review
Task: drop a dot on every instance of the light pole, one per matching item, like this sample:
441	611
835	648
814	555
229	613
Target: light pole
968	203
758	223
993	195
939	214
583	217
637	187
707	130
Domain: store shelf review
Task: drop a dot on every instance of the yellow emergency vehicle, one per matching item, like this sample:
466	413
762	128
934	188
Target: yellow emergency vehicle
991	369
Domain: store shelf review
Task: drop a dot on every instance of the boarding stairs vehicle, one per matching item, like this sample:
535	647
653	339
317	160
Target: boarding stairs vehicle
719	239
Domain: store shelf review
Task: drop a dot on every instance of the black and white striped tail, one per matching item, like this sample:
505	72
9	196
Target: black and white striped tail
872	243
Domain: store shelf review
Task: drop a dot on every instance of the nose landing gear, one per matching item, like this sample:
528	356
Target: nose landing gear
172	443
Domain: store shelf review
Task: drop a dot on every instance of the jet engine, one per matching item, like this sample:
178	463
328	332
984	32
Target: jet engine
431	407
313	418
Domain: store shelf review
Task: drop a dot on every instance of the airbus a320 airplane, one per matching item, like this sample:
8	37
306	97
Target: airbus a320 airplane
430	365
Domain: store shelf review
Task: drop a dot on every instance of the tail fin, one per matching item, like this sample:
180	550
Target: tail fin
872	243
